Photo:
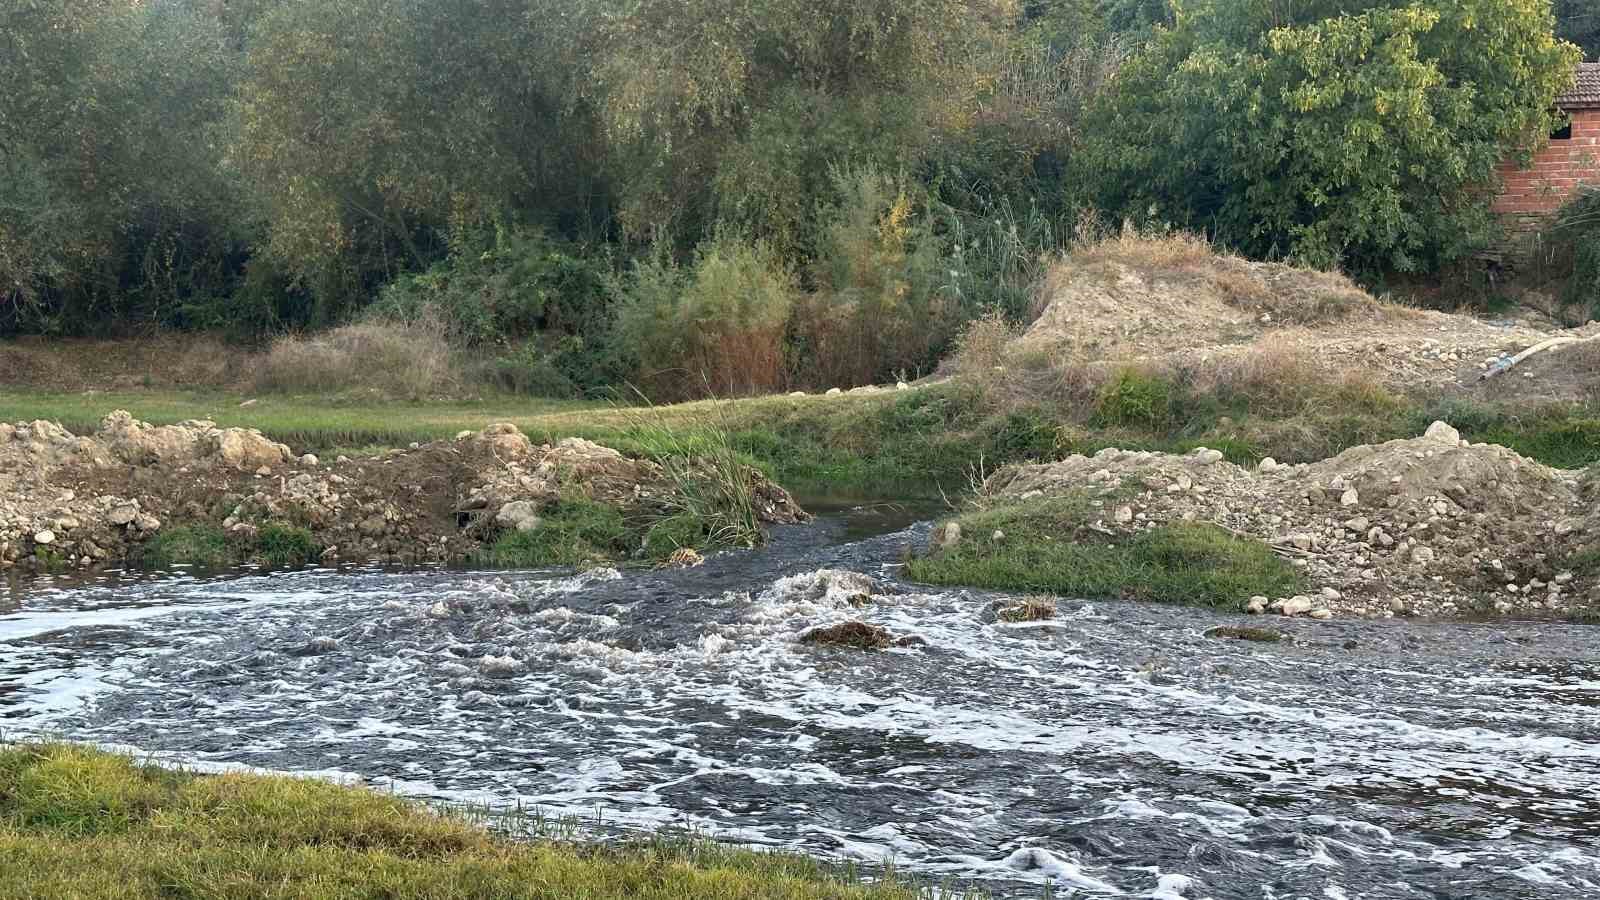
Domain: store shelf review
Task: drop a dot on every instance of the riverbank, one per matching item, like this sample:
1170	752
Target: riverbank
81	823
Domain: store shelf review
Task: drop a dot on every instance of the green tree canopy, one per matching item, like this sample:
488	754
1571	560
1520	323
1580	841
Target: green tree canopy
1354	132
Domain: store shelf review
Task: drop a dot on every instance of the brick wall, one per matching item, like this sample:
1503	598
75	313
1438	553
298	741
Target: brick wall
1532	193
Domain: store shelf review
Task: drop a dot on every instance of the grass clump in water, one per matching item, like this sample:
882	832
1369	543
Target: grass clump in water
1235	633
81	823
1047	547
201	546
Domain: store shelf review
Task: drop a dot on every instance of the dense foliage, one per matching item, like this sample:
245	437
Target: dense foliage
1357	134
744	195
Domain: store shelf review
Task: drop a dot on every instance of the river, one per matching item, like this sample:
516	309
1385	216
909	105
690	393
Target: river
1113	751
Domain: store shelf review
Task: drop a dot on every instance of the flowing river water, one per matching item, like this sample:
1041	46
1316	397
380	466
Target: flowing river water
1113	751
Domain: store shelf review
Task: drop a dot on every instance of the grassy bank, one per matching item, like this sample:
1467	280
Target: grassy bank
927	442
1048	546
78	823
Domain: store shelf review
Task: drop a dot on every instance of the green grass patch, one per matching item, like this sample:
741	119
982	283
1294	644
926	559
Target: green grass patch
572	533
278	544
1047	548
201	546
80	823
205	546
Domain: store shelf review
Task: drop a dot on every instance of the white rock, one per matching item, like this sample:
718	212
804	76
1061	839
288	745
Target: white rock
1207	457
1124	515
1267	465
522	515
44	538
310	459
1443	433
1296	606
834	392
123	515
1349	498
1323	614
1422	555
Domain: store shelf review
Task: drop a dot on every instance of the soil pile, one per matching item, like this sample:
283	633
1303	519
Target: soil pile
1149	303
71	500
1427	526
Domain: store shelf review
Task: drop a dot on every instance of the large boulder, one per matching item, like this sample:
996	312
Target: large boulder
141	444
248	450
504	441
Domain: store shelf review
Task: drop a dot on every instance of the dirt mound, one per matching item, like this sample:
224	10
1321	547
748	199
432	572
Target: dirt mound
1427	526
1175	302
87	500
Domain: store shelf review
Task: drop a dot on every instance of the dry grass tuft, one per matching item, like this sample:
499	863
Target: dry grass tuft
1029	609
410	361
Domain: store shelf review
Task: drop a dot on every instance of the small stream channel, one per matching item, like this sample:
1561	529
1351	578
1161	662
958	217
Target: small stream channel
1115	751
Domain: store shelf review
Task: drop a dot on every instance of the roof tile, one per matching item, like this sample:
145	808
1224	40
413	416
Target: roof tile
1586	93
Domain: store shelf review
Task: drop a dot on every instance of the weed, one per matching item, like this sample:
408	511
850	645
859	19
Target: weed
1245	633
1135	399
1028	609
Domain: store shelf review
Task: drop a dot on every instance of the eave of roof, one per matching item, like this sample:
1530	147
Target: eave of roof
1585	93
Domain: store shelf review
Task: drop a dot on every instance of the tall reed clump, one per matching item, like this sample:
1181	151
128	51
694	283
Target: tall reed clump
711	501
716	323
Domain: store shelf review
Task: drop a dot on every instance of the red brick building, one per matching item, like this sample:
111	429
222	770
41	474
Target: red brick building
1572	158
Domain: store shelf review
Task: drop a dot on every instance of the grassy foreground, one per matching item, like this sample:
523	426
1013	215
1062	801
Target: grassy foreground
1045	546
80	823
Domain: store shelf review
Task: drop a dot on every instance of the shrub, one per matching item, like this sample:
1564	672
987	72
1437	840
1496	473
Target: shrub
408	360
715	325
883	305
1573	242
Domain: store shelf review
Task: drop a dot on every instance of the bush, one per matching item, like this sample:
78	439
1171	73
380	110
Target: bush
884	304
716	324
409	360
1136	398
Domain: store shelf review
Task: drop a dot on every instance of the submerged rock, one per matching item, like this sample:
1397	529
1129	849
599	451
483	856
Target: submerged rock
856	634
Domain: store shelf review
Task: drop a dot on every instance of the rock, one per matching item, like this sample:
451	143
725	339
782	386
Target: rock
504	441
998	536
901	386
1323	614
859	635
123	514
1243	633
44	538
1442	433
147	523
319	645
1207	457
1267	466
1331	594
1256	606
944	537
1349	498
1124	515
520	515
248	451
1422	555
310	459
1359	524
1296	606
373	526
834	392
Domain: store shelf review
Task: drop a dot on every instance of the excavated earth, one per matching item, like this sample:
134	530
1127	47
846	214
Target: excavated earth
1430	526
91	500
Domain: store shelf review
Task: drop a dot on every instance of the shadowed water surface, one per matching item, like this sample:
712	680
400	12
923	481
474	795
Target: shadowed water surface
1115	751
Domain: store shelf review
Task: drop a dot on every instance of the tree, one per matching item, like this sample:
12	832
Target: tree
1579	22
1363	133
